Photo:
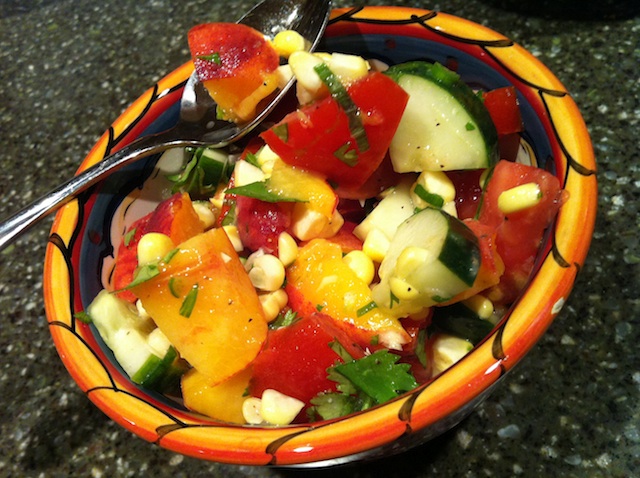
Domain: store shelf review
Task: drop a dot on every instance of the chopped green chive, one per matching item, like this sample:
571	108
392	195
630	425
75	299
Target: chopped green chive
433	199
128	237
393	300
366	309
470	126
214	57
282	132
174	287
189	302
341	95
82	317
346	155
339	349
166	259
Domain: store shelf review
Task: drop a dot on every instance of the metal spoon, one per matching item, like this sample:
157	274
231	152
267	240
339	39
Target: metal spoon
197	125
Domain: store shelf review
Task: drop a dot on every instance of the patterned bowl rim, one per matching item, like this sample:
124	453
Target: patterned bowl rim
451	394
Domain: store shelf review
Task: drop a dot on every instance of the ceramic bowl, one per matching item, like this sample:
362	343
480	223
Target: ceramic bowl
81	248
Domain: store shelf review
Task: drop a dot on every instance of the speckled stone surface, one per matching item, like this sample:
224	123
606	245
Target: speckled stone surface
69	67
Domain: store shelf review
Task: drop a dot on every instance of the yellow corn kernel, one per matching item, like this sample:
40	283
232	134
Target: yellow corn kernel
289	41
266	158
284	74
482	306
246	173
279	409
402	290
272	303
309	86
348	68
376	245
361	264
287	249
234	237
410	259
451	208
519	198
217	200
306	223
206	213
332	226
323	55
267	272
251	411
153	246
447	350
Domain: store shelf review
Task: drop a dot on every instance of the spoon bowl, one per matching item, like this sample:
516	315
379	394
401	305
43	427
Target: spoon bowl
198	125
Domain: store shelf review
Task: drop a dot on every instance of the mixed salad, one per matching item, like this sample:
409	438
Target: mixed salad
364	241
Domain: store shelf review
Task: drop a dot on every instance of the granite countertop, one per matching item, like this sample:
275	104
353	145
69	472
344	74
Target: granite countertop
69	67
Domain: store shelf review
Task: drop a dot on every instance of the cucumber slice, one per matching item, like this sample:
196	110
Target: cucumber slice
390	212
459	320
139	347
445	125
432	257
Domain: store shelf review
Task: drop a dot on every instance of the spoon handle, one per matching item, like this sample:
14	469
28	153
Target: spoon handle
12	227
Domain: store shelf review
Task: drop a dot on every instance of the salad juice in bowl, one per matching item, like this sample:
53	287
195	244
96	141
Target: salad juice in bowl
349	281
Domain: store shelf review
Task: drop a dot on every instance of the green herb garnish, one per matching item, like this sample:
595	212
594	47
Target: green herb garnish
259	190
379	375
282	132
189	302
284	320
366	309
434	200
342	97
174	287
361	384
346	155
213	57
393	300
83	317
128	237
144	274
203	171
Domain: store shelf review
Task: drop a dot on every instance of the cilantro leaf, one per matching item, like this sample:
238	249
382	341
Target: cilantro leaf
361	384
284	320
378	375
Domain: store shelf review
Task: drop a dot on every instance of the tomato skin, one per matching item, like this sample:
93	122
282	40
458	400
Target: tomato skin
236	64
468	191
317	131
503	107
518	235
295	359
260	223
